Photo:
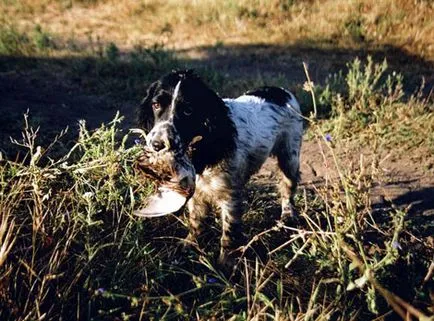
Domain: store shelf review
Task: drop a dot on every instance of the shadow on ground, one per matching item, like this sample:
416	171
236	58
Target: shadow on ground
417	201
247	61
59	91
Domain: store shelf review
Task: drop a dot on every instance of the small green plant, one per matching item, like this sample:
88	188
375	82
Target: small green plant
42	39
363	82
13	42
354	27
112	52
368	99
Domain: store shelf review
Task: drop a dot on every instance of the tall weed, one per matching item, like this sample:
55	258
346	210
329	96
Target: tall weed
366	102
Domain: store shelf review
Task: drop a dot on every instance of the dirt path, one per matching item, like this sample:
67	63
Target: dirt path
405	184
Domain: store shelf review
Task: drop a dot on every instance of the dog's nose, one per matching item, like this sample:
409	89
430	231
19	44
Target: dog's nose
157	145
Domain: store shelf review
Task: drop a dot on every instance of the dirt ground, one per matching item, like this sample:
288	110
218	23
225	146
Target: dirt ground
405	184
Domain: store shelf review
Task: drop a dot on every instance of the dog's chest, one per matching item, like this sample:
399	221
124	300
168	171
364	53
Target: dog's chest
212	182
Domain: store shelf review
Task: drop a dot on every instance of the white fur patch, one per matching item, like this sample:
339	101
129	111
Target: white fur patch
174	97
260	125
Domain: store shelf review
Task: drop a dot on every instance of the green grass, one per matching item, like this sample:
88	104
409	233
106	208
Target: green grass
13	42
16	43
368	104
66	219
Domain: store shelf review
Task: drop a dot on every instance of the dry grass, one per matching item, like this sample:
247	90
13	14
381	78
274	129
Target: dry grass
72	251
188	24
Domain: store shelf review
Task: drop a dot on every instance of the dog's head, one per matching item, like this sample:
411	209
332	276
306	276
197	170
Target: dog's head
178	109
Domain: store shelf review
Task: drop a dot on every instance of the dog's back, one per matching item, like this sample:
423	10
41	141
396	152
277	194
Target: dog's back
267	120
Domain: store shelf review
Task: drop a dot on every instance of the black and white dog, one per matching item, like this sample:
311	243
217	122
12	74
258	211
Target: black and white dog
236	136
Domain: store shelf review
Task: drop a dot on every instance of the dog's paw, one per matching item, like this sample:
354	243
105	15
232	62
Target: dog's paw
189	243
288	211
227	261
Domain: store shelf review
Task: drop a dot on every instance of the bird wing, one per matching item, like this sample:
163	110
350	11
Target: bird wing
164	202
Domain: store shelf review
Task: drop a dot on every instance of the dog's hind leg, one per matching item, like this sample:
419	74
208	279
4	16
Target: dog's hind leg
288	157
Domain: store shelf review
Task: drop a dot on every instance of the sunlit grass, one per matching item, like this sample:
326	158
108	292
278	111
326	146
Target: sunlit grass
368	105
345	24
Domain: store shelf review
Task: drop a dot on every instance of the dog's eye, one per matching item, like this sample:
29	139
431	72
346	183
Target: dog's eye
156	106
188	111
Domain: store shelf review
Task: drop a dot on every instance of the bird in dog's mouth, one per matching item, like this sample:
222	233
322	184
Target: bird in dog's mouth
174	175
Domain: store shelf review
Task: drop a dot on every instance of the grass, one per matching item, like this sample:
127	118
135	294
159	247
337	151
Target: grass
82	41
368	104
64	216
100	68
345	24
13	42
70	248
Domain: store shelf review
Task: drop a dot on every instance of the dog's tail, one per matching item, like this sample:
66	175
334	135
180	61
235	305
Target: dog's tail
292	101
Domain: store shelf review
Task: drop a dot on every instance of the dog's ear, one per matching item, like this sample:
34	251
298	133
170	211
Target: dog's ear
145	115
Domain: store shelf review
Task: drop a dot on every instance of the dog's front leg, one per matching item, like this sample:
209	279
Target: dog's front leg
198	208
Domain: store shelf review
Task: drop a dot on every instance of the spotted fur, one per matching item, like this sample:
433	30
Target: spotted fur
237	136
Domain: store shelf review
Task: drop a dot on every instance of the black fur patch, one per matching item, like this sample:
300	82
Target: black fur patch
274	95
